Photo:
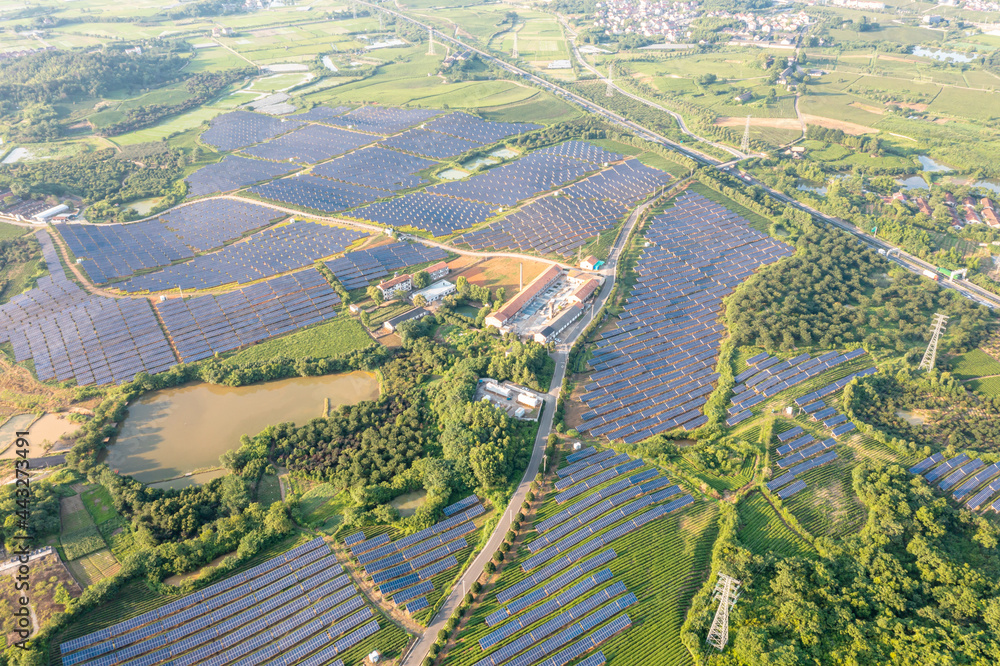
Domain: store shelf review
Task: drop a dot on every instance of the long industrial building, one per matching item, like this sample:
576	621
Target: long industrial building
514	305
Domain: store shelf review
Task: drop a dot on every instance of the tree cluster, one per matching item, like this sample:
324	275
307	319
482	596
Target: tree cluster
957	418
919	585
102	177
835	291
51	77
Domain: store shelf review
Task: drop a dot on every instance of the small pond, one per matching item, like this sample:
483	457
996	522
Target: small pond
452	174
172	432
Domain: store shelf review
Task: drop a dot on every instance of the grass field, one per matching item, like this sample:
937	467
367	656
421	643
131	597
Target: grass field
98	502
8	231
268	490
321	507
79	535
339	336
990	386
762	530
975	363
94	567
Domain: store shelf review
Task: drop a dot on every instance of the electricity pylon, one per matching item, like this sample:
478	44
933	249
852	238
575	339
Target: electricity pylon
745	144
430	41
611	89
930	356
727	592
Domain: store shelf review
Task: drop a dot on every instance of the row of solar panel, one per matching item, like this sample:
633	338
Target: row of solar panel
592	499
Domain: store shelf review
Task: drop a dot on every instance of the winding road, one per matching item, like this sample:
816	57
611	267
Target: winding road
420	648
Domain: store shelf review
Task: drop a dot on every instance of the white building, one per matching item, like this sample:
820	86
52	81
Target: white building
46	215
434	292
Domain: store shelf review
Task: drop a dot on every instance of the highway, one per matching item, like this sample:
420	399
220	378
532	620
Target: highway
906	260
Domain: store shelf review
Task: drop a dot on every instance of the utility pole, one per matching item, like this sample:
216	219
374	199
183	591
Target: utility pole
727	591
745	144
930	356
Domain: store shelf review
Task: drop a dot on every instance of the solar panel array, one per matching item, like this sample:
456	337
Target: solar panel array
232	173
560	546
361	267
625	183
403	569
205	325
430	144
548	615
593	498
461	505
558	622
297	608
70	334
110	251
238	129
471	128
523	178
581	454
376	167
310	144
272	251
582	150
320	113
208	224
322	194
380	119
436	214
656	370
977	490
770	375
550	225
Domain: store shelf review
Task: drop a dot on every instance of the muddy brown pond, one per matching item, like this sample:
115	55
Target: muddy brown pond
173	432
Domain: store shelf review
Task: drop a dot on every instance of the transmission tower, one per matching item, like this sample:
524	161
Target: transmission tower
611	90
727	591
430	41
745	144
513	51
354	10
930	356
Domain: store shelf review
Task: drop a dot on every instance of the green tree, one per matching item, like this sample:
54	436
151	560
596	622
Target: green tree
375	294
421	279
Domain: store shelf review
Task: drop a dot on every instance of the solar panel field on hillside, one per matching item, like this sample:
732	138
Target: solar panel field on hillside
577	582
655	371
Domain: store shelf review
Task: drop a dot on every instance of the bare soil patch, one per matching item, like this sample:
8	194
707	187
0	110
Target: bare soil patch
843	125
868	108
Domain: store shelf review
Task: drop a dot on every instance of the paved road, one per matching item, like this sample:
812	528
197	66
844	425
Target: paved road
418	652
